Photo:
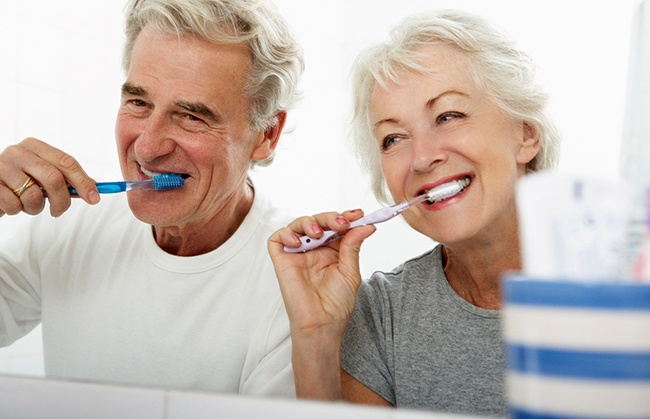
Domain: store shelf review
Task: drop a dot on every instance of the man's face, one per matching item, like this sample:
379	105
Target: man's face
184	110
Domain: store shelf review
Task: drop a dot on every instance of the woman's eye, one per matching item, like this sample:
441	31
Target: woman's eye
388	141
448	116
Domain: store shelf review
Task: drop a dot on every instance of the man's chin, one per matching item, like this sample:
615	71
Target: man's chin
150	211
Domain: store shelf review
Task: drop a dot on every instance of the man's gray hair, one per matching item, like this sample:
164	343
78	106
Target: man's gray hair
277	60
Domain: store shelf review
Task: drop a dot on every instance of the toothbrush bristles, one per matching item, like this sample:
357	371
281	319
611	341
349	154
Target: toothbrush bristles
168	181
447	190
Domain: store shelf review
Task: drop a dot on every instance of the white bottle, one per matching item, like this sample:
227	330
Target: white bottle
635	151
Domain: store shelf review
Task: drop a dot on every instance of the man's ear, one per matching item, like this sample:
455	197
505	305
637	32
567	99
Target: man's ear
530	144
270	138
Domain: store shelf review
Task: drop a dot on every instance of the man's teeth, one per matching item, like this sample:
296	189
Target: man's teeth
447	190
149	173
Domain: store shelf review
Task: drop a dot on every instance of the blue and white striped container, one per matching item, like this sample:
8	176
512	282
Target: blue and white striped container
577	350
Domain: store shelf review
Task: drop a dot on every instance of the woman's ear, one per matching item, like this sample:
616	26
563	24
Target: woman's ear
270	138
530	144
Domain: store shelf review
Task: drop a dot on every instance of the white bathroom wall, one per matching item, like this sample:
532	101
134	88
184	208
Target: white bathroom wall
60	77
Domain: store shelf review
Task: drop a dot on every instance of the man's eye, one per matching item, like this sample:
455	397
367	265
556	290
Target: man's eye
190	122
137	107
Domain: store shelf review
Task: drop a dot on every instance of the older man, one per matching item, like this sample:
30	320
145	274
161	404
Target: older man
173	287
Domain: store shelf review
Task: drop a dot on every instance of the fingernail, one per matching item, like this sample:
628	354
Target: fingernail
93	197
341	220
355	210
316	228
296	239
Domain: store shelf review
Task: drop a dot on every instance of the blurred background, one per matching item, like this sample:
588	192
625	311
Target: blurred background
60	78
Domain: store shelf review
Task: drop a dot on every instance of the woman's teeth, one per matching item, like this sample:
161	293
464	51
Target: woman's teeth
447	190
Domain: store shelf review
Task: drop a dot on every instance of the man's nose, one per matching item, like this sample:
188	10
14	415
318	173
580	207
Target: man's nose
156	138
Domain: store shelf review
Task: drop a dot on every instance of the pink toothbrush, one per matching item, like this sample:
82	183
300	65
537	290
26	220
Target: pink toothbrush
384	214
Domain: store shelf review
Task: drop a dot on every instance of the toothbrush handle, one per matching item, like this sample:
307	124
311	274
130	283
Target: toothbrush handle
379	216
104	187
309	244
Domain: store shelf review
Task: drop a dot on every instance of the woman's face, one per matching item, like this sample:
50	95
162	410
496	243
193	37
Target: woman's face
438	127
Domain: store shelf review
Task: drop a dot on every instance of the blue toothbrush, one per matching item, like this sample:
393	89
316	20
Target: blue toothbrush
158	183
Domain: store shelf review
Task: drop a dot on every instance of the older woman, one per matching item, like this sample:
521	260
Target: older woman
449	97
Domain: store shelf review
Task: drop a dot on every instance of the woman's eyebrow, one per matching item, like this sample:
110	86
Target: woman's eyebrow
430	103
433	101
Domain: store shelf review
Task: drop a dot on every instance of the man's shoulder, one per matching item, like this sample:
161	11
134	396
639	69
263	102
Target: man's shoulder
268	215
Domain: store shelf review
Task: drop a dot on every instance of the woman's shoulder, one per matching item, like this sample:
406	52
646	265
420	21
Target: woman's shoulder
410	272
410	266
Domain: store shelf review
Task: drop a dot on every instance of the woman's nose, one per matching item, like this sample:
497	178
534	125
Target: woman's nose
155	139
427	152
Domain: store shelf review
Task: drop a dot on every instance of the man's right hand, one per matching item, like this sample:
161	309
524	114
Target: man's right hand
51	169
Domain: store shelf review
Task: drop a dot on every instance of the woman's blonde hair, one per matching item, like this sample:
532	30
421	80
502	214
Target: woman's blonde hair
505	73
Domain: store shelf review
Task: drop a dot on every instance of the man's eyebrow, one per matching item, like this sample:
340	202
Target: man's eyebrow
200	109
132	90
197	108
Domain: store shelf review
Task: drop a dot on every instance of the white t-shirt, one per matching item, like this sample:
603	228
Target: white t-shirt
116	308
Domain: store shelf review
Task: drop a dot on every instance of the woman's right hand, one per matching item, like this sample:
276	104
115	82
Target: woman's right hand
319	286
51	169
319	289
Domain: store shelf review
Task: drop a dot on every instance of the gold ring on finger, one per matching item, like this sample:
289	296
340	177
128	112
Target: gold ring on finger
29	182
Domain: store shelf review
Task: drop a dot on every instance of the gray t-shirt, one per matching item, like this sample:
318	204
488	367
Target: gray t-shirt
413	340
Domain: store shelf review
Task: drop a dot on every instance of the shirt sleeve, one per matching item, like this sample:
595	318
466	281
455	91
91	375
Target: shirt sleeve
20	300
268	370
367	350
